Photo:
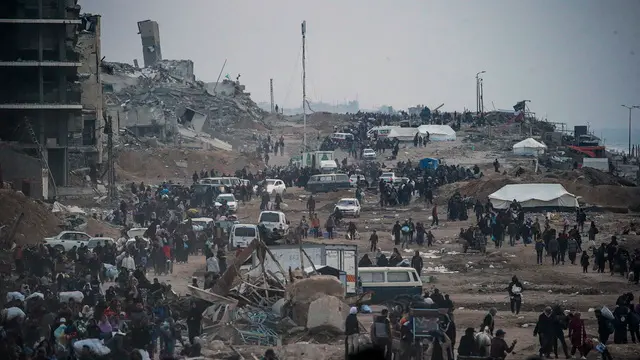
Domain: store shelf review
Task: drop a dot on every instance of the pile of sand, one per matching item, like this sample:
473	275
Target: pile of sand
483	187
38	221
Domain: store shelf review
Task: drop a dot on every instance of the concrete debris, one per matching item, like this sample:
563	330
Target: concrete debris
166	94
254	308
318	318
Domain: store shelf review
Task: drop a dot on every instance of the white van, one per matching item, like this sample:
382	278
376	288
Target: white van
241	235
274	220
386	283
341	136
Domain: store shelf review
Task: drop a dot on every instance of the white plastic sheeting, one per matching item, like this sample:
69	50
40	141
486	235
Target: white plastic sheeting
529	147
438	132
533	195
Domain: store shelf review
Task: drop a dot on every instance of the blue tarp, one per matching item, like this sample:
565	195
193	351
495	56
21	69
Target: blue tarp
429	163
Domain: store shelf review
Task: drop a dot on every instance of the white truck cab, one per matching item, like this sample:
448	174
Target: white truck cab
274	220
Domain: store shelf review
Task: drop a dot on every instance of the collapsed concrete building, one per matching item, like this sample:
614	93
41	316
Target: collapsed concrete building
166	101
42	106
150	35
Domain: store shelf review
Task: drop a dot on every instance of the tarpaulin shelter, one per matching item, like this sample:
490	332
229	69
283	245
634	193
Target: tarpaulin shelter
429	163
534	196
529	147
438	132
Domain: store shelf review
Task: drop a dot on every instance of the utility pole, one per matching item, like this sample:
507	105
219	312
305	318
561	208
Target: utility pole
481	96
630	108
304	86
111	171
478	90
273	106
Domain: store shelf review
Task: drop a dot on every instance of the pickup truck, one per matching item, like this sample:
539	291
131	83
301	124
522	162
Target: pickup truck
66	240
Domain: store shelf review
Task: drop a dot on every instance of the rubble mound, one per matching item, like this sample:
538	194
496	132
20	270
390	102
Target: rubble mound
170	87
483	187
592	176
38	221
325	121
178	164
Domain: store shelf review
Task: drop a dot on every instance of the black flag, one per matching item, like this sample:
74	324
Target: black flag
519	106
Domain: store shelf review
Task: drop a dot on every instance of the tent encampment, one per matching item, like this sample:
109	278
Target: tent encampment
533	196
529	147
438	132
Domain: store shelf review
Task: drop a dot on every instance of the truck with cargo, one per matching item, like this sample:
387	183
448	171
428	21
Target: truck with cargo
320	156
342	257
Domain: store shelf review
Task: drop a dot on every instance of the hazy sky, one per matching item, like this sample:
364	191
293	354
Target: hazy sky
576	60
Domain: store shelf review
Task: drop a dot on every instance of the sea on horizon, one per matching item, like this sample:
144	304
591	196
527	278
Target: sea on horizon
618	139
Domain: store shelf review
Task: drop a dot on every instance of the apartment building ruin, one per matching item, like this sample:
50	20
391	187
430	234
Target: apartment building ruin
43	120
150	35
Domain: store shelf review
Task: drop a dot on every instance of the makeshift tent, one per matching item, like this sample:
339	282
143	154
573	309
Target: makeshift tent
529	147
429	163
533	195
438	132
403	133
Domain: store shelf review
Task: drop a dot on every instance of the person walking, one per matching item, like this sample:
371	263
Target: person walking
352	332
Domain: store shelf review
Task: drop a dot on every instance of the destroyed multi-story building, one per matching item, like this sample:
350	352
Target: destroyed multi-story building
150	35
42	116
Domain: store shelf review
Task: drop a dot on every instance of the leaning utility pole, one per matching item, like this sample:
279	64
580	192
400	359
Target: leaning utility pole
304	86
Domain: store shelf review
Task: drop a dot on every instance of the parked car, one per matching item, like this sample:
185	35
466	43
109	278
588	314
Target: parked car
388	177
66	240
201	223
231	201
275	186
93	242
349	207
358	178
368	154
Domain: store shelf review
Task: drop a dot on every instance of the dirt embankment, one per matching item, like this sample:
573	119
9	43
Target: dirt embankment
176	164
595	187
38	221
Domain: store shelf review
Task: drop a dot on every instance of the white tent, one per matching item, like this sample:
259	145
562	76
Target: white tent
402	133
529	147
533	195
438	132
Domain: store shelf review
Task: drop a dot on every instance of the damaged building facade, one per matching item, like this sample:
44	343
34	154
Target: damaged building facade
41	102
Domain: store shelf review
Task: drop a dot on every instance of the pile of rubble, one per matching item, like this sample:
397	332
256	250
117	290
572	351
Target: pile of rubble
168	94
262	308
24	220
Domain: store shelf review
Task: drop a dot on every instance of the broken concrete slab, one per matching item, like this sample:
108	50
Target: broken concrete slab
327	313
